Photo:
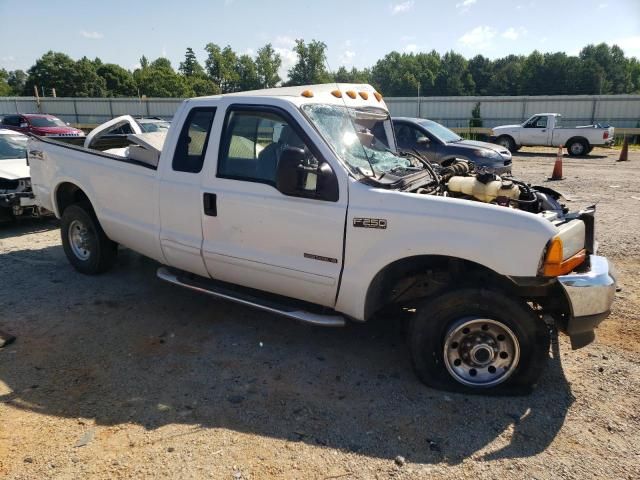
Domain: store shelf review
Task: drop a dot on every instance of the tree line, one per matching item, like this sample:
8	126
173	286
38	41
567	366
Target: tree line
597	69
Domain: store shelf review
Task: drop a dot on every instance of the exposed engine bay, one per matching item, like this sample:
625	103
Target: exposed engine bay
460	179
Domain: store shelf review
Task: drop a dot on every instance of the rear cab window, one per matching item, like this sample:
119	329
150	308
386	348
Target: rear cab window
194	137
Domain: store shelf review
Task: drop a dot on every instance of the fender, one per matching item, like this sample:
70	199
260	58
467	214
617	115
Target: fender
426	225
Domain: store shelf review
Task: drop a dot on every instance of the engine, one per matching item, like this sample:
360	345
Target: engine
461	180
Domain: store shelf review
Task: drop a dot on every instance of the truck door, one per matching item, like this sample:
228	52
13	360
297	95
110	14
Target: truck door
256	236
536	131
180	197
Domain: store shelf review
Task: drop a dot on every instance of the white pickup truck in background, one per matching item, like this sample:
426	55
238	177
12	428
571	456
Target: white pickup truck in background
544	129
295	201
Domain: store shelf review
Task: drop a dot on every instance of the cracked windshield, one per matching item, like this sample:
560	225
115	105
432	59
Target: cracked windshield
362	138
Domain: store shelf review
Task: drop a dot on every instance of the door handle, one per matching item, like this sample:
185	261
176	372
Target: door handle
209	203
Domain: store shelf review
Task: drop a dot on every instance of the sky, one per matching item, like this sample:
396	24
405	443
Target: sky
357	33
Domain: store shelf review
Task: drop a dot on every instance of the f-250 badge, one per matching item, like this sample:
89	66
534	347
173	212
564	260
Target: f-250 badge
370	223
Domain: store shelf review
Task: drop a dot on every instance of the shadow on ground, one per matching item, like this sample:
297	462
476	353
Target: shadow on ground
26	226
124	347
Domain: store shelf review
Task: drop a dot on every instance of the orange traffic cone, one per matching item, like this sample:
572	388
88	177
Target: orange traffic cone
624	154
557	167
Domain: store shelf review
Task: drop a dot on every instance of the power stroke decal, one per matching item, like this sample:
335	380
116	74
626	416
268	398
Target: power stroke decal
321	258
370	223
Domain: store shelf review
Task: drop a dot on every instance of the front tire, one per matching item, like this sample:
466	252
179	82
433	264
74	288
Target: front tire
84	242
478	341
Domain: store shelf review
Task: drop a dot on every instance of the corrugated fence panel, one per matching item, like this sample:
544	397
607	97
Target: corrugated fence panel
128	106
618	110
163	107
93	110
402	107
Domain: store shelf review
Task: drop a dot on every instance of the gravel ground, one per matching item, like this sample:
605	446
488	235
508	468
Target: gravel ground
123	376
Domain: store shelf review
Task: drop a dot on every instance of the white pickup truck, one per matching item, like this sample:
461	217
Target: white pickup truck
543	129
294	201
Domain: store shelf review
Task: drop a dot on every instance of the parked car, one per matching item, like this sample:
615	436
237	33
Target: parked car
284	200
545	129
443	146
39	124
16	197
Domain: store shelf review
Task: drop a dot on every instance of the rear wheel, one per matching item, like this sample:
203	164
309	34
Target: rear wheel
478	341
507	142
84	242
577	148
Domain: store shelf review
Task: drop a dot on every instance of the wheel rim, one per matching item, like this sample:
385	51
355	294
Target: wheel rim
480	352
79	239
577	148
503	142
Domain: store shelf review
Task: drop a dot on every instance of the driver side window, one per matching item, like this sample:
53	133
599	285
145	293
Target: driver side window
253	143
537	122
407	136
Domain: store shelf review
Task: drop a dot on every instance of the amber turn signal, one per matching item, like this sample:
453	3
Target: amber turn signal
554	265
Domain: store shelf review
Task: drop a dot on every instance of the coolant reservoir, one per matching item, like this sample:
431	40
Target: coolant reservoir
485	192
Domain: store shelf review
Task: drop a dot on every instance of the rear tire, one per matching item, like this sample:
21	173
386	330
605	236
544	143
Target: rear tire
578	148
478	341
507	142
84	242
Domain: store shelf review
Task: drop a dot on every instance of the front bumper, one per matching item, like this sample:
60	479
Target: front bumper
590	295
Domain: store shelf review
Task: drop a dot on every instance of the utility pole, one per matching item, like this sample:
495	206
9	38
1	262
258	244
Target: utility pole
418	99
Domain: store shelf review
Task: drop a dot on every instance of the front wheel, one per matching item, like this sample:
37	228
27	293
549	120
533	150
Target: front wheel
478	341
84	242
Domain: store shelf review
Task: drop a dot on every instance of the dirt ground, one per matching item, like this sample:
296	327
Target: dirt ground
123	376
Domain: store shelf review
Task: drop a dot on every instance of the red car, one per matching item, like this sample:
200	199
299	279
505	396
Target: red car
39	124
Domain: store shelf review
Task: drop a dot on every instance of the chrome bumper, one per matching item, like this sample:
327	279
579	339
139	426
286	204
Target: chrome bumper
590	295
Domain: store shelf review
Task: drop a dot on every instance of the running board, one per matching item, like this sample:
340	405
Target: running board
252	301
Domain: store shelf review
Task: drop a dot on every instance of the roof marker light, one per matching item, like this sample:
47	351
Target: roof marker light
364	95
307	94
337	93
378	96
351	94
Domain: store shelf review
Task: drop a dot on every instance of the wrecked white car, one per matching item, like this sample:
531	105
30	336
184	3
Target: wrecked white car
16	197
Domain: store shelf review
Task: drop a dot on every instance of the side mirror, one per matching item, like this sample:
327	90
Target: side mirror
295	178
288	171
24	125
423	141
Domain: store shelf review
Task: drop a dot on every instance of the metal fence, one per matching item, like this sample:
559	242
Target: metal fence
622	111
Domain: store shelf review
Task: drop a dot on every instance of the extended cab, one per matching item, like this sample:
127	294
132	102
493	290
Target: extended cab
294	201
544	129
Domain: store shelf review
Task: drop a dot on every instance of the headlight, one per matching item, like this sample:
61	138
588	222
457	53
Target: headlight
487	153
24	184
